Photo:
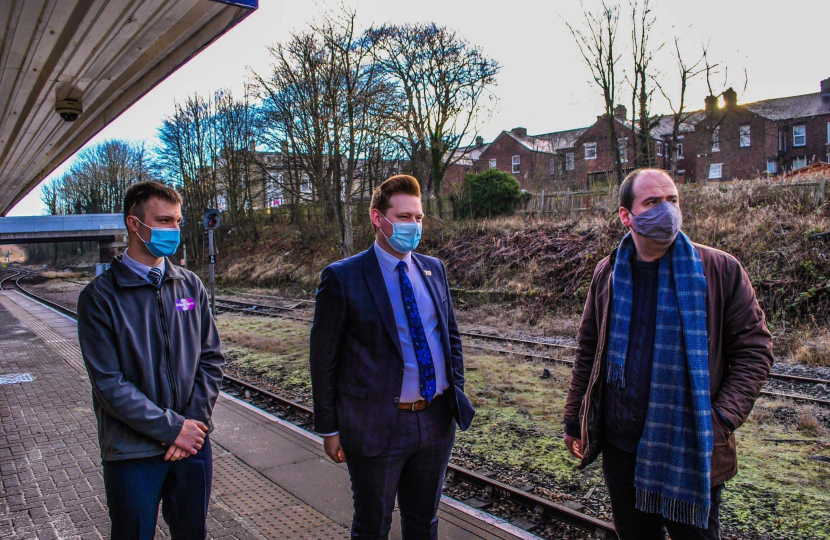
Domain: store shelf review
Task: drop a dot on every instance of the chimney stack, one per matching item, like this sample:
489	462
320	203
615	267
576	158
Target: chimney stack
620	112
479	141
520	131
711	104
730	97
825	89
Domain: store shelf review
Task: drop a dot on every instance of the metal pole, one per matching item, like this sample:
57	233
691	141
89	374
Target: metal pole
184	255
212	283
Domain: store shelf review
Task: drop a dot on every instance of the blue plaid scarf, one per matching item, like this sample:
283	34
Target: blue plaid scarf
675	452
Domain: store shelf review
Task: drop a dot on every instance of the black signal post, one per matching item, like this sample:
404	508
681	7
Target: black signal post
211	223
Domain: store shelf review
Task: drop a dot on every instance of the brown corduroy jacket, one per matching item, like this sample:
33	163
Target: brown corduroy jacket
740	356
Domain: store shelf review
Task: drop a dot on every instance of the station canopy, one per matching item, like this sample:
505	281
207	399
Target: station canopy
104	53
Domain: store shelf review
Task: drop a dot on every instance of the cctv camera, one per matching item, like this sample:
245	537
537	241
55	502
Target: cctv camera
69	109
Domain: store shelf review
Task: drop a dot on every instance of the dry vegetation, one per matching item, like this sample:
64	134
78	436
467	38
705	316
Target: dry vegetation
542	267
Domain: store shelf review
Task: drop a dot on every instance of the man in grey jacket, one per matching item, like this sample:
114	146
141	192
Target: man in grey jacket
154	360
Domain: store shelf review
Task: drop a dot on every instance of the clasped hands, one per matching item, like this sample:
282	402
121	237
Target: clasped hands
190	440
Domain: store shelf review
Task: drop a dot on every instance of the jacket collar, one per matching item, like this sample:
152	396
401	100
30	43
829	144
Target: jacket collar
124	277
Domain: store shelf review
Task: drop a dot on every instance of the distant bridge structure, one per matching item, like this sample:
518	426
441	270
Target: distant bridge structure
106	229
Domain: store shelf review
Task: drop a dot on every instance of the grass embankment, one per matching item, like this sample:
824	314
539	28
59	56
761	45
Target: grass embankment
781	492
543	267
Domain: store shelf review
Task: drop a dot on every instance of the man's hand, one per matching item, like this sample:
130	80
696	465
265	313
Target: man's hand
331	444
574	446
174	453
191	437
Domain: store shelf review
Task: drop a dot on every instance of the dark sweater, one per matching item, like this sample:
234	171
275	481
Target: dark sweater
625	408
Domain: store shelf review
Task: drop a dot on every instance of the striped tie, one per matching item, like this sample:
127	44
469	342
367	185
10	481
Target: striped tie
154	275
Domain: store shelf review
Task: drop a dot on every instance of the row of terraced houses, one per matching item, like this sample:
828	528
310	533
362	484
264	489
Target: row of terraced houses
723	141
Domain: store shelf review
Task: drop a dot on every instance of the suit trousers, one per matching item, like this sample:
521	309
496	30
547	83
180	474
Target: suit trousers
135	487
413	467
632	524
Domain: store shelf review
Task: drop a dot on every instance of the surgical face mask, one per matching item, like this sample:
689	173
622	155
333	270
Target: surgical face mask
405	236
164	241
661	223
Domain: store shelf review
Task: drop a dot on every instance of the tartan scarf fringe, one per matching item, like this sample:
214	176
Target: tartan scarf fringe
653	502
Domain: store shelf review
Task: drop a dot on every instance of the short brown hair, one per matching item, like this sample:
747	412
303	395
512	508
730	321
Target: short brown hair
138	194
400	183
627	187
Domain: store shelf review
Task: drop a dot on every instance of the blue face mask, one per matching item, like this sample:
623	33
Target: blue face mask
164	241
405	236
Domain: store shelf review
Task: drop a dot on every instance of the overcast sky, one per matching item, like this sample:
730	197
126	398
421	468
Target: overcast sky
543	85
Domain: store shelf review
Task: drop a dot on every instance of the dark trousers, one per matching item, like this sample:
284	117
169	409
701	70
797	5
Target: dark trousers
632	524
413	467
135	487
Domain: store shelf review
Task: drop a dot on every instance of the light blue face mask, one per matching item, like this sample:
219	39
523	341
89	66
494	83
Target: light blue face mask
164	241
405	236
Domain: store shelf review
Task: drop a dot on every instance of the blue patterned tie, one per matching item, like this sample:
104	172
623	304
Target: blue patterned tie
154	275
426	369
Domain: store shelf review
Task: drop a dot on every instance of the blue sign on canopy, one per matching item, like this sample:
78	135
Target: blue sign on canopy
252	4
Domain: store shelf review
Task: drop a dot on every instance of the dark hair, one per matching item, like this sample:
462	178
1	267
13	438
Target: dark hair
400	183
138	194
627	187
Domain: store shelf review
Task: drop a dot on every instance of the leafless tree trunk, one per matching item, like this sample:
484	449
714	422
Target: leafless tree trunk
596	40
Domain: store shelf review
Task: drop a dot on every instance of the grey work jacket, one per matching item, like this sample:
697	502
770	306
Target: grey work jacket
153	356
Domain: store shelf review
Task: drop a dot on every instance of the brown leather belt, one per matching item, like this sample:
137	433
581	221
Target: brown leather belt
416	406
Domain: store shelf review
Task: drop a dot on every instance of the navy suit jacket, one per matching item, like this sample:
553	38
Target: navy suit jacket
356	360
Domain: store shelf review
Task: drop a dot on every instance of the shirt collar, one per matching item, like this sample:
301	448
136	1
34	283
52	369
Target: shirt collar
390	262
138	268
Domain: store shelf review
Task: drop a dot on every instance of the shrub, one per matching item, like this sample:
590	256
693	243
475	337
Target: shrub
491	193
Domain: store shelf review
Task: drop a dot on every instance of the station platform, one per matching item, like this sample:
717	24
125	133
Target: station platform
271	478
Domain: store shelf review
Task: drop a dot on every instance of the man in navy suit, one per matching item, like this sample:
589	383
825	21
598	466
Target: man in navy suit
387	370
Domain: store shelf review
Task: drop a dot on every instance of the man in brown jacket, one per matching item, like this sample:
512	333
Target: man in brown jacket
658	307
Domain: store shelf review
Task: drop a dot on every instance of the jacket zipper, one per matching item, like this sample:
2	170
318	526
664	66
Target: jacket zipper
170	378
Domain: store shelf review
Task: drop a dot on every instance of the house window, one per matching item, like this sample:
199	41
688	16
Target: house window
569	161
772	166
590	150
623	150
828	132
744	132
799	162
305	186
658	147
552	166
716	140
715	171
679	150
492	163
800	135
516	164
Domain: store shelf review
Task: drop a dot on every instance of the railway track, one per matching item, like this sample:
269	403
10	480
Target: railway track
285	312
542	509
302	416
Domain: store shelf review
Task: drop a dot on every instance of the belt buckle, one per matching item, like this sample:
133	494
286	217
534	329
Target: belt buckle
412	406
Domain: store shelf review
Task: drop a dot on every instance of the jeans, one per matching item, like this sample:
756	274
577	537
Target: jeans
135	487
632	524
413	467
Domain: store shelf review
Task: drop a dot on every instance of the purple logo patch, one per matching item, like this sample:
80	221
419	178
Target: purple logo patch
185	304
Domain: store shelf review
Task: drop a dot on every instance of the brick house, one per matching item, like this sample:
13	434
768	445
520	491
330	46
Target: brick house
530	159
593	155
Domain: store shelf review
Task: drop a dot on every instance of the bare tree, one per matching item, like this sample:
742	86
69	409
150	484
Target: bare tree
443	86
596	41
687	71
186	158
642	26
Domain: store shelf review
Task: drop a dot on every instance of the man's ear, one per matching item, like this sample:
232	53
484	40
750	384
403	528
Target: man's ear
625	217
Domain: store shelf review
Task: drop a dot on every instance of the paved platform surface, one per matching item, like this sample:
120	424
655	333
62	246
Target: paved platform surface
271	479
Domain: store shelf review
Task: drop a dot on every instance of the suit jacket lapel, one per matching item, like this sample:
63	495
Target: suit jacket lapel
377	287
